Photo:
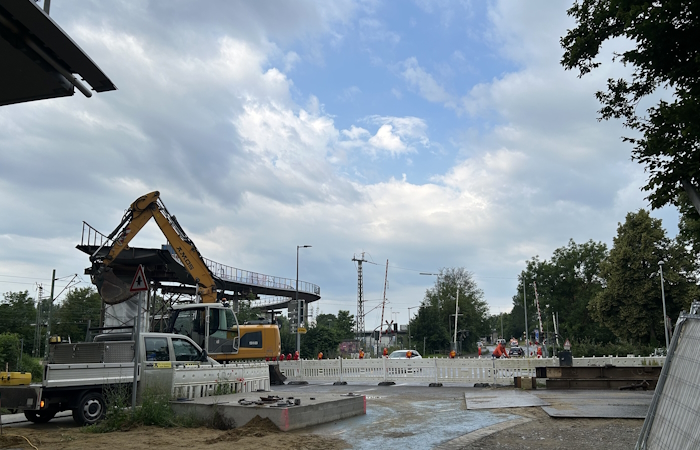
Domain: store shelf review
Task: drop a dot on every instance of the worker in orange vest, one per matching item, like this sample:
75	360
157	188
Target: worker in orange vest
296	355
320	355
289	356
385	352
408	354
453	354
480	351
362	354
539	351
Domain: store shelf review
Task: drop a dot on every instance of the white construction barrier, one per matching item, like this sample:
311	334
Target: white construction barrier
436	370
195	382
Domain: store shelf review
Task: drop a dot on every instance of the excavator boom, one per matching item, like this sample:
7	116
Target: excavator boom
137	216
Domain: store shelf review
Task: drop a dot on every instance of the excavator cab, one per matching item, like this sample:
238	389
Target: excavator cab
213	326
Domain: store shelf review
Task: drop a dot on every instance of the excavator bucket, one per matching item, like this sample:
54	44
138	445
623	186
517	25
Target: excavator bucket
111	288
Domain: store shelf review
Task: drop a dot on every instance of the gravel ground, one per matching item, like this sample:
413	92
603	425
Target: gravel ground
545	433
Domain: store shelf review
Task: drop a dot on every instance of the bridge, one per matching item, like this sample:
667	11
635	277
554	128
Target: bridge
163	267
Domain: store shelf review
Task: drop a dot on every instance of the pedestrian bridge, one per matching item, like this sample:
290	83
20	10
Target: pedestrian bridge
164	267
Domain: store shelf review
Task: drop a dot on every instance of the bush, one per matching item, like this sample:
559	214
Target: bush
154	410
588	347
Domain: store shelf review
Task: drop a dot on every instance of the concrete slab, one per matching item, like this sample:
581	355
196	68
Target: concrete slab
235	410
501	398
596	404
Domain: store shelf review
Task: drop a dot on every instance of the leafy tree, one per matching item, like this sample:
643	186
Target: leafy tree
665	62
630	304
567	283
317	339
9	351
435	319
18	315
345	325
80	307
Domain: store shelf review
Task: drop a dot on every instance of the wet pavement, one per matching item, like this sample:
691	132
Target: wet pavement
405	416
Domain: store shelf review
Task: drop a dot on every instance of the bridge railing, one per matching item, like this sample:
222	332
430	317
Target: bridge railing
257	279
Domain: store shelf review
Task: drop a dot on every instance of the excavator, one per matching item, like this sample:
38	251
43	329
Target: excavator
211	323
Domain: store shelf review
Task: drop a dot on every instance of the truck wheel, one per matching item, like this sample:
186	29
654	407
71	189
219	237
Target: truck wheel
39	416
91	409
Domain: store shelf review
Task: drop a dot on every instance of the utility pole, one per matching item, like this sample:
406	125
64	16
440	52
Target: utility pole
299	323
48	315
360	321
527	333
37	327
386	278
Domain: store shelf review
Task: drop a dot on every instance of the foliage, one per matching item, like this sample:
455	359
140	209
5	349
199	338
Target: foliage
79	308
288	340
664	59
17	314
154	410
630	304
319	338
565	285
435	319
588	347
33	366
9	351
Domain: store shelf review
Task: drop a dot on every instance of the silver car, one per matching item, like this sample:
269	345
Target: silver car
401	354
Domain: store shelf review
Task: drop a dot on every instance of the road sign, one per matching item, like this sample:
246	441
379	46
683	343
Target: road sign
139	284
301	330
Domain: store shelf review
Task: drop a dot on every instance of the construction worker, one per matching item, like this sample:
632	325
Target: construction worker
408	354
296	355
320	355
539	351
500	351
385	352
453	354
479	350
289	356
362	354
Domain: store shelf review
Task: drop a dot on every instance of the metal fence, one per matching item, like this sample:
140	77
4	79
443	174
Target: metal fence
672	418
436	370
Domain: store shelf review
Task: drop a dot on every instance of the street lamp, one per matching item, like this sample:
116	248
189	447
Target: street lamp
296	294
527	334
409	324
663	301
438	283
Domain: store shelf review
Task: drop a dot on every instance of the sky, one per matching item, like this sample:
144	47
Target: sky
429	133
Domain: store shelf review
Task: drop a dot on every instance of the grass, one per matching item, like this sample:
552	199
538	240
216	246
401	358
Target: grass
154	410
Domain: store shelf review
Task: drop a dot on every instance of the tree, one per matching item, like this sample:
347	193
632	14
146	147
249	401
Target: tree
567	283
665	62
435	319
345	325
80	307
630	304
18	315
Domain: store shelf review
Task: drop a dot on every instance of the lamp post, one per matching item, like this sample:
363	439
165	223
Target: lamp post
296	295
438	283
527	334
409	324
663	301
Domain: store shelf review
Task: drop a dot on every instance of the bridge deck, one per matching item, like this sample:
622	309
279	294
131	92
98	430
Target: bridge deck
162	267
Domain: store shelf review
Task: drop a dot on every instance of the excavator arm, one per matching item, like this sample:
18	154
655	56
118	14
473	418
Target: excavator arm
139	213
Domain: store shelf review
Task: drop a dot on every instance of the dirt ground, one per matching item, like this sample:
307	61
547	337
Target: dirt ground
542	433
546	433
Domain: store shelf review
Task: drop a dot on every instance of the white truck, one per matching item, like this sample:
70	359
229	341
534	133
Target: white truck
77	376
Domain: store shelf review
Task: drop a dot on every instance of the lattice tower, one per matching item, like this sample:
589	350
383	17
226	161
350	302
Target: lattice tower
360	318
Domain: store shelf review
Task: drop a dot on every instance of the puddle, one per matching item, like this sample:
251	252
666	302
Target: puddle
414	425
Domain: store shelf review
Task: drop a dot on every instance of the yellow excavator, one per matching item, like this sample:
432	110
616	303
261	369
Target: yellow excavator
212	324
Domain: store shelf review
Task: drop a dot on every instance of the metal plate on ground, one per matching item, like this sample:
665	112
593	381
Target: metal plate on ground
501	398
596	404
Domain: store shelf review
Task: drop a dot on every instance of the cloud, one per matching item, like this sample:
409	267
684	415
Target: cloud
349	94
421	81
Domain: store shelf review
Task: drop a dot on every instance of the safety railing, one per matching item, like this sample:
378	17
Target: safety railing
90	236
257	279
436	370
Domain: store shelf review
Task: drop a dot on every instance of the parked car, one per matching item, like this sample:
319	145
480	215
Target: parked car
401	354
516	351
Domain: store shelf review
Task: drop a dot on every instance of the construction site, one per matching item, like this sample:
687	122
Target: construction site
169	323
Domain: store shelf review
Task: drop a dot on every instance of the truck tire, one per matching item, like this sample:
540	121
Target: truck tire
91	409
39	416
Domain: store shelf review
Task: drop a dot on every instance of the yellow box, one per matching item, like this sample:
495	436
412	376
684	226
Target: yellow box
15	378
